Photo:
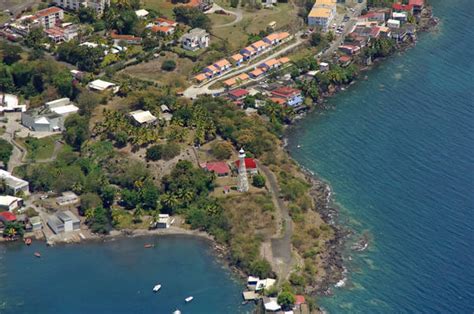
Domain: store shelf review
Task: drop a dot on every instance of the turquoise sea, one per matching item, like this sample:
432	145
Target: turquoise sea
117	277
398	151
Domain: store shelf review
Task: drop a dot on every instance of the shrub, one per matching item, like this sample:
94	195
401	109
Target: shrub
258	181
168	65
154	152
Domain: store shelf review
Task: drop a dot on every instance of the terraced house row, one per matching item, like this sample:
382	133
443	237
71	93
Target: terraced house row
250	52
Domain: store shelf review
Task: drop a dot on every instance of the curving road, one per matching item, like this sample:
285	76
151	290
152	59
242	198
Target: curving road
237	13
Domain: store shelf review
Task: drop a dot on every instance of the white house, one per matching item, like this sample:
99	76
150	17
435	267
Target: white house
142	13
49	17
97	5
50	117
322	13
14	184
196	39
99	85
10	203
10	103
67	198
141	117
64	222
393	23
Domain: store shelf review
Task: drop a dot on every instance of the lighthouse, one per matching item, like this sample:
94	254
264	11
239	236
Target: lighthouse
243	180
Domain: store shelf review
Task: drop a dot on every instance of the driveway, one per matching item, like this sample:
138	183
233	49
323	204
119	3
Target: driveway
237	13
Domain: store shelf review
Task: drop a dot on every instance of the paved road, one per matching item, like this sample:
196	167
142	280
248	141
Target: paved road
281	243
237	13
193	91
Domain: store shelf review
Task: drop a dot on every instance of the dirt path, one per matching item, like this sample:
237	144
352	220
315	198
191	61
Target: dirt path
278	250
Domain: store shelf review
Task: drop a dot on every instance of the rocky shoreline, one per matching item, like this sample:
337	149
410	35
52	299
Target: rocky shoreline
334	263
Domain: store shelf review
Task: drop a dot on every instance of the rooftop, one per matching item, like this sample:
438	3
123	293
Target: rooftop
7	216
100	85
285	91
142	116
47	12
320	12
237	93
7	200
12	180
250	163
219	167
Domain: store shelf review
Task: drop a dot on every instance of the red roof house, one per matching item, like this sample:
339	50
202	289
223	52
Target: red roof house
403	7
218	167
250	165
7	216
237	94
299	299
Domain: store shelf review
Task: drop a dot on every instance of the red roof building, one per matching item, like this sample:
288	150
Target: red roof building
237	94
402	7
250	164
218	167
7	216
299	299
418	3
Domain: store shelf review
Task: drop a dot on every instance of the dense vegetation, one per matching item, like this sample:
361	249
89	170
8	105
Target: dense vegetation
5	152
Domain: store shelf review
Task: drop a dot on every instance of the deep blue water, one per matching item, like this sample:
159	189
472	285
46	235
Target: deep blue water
117	277
398	152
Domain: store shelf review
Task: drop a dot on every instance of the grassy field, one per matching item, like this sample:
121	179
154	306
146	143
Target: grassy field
254	21
220	19
39	149
152	71
165	7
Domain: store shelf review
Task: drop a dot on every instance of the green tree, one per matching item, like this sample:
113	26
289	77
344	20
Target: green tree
11	53
286	299
6	150
222	150
35	38
6	80
107	195
154	152
258	181
77	130
87	101
261	268
63	82
86	15
90	201
168	65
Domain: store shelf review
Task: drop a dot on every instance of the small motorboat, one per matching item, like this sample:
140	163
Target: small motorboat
148	245
177	312
28	241
157	288
188	299
37	254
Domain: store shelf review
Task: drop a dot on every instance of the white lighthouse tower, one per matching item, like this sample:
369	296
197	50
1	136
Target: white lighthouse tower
243	180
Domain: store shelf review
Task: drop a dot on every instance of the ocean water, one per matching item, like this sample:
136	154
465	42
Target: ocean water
117	277
398	152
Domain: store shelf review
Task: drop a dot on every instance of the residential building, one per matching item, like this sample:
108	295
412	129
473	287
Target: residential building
293	97
200	78
400	16
222	65
248	52
322	14
237	59
165	22
97	5
345	60
142	13
393	23
10	103
220	168
67	198
36	223
49	17
418	5
164	221
324	66
256	73
398	7
238	94
271	305
270	64
260	46
50	117
14	185
7	217
100	85
10	203
349	49
65	32
230	82
141	117
164	30
196	39
129	39
63	221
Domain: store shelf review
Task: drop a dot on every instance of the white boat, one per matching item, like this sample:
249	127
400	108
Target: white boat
156	288
188	299
177	312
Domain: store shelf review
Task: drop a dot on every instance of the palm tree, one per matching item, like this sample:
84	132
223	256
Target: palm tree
170	201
